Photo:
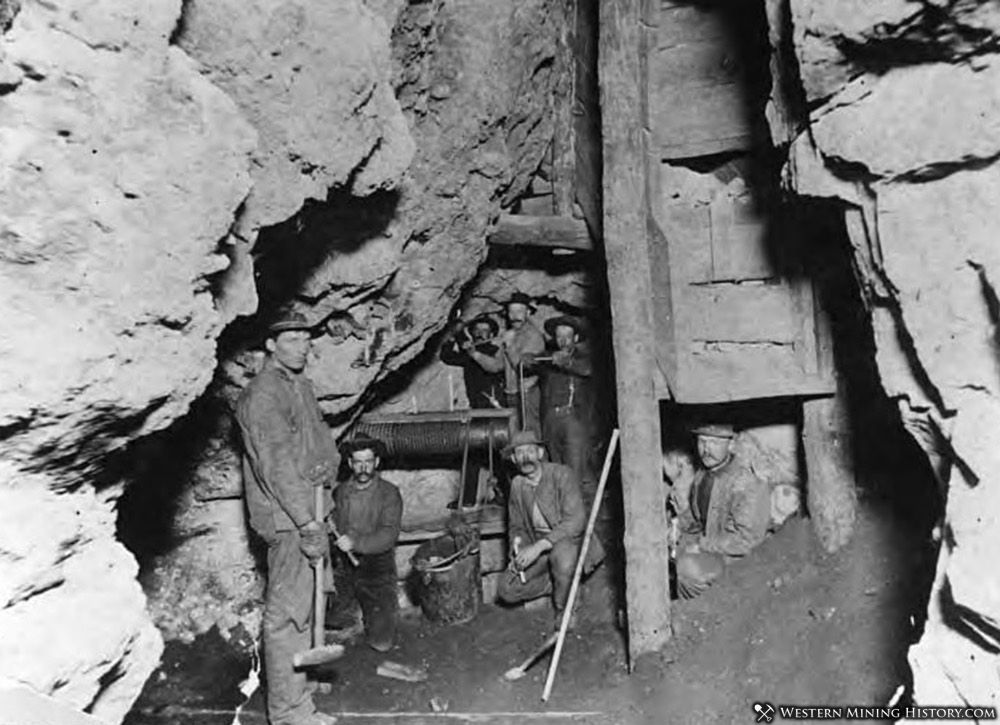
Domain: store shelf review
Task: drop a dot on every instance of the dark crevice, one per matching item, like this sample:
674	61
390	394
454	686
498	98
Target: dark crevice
181	25
8	11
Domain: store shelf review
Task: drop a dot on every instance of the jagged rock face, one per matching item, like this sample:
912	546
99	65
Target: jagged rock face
474	80
381	274
293	68
904	128
124	172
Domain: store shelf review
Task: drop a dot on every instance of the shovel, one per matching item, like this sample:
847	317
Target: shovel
320	653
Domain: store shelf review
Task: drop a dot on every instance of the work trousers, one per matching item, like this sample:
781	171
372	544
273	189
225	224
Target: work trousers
571	442
373	584
696	572
532	408
286	630
551	572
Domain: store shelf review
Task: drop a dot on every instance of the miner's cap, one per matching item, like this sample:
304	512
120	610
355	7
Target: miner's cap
289	321
485	320
519	298
715	430
564	321
523	438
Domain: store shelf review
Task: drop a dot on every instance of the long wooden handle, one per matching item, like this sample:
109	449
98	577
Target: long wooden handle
319	596
568	611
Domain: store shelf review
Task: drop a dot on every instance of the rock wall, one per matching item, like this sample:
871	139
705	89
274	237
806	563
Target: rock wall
126	196
380	275
895	113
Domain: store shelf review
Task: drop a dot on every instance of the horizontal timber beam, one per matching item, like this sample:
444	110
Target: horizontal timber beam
562	232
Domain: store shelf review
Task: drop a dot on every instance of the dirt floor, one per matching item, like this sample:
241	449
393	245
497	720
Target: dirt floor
787	625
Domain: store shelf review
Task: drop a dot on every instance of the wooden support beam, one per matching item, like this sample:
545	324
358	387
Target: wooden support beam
628	225
563	99
830	488
541	231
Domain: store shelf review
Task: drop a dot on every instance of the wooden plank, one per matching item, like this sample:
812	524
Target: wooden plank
688	23
739	241
685	149
721	372
541	231
587	117
684	119
623	57
739	313
699	63
563	142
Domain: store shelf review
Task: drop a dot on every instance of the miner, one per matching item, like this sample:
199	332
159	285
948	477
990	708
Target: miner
474	350
519	341
546	521
367	514
736	517
568	403
288	451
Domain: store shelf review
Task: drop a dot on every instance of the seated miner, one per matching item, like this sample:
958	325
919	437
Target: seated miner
546	521
288	451
737	516
568	403
367	514
473	349
522	338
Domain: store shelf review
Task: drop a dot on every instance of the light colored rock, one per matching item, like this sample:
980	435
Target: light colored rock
122	171
313	78
60	634
123	168
885	123
910	141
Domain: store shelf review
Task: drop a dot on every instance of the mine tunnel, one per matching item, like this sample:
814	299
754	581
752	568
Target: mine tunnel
543	361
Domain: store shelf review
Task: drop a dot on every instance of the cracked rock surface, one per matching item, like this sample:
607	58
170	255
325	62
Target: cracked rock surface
379	274
131	176
903	117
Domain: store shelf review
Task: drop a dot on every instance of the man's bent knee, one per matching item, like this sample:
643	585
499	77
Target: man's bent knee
563	556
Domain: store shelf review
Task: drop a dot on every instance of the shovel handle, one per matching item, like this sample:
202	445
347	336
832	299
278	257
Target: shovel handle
319	596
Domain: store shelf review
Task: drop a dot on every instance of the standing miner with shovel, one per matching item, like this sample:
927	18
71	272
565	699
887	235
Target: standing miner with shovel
289	454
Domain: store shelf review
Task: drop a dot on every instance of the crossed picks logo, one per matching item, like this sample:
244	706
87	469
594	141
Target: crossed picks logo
764	710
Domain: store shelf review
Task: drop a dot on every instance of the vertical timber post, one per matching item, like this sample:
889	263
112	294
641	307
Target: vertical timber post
563	137
627	220
830	487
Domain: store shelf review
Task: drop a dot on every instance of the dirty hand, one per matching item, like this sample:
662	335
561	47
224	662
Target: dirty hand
313	540
560	358
527	556
345	543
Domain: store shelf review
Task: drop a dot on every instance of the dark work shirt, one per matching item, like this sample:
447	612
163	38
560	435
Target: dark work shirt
370	516
568	386
480	384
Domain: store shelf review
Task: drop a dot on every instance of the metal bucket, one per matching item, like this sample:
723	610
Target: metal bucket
448	580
